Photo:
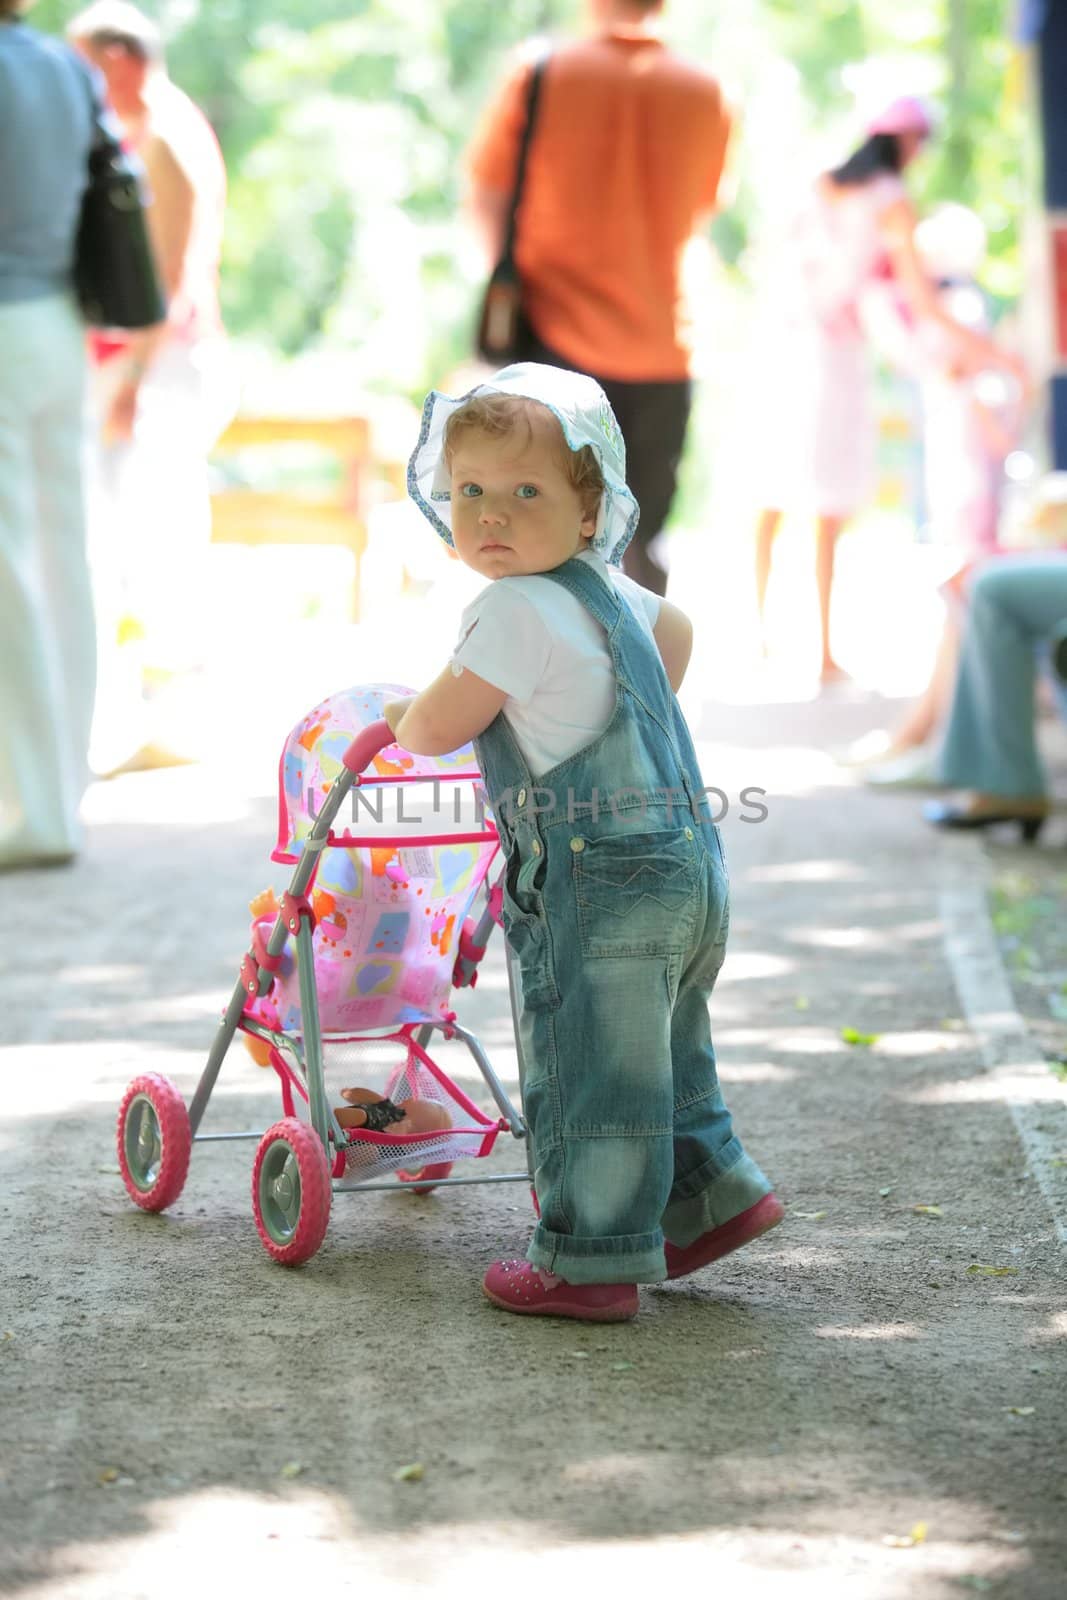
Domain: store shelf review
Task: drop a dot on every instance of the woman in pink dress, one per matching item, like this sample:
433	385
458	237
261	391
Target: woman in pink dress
857	226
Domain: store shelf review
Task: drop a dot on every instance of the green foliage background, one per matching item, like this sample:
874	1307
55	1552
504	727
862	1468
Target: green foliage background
343	123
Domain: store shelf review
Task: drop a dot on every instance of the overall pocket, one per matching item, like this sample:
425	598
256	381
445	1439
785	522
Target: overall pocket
526	929
636	893
528	938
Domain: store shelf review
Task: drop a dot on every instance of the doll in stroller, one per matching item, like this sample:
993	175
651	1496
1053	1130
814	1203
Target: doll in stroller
349	975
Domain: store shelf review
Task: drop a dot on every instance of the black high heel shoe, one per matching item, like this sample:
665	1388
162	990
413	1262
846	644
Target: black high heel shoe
945	814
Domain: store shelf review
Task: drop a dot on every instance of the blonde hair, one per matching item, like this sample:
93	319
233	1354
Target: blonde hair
497	415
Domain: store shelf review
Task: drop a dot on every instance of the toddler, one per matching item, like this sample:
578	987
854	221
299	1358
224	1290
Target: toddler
615	889
971	418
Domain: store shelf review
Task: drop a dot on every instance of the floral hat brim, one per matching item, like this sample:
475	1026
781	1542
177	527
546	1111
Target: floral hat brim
583	412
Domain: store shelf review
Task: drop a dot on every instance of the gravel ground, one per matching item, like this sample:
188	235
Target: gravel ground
866	1405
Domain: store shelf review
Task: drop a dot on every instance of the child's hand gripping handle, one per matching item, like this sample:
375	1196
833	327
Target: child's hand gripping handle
365	746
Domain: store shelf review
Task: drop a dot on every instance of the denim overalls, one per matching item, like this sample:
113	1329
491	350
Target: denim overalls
615	908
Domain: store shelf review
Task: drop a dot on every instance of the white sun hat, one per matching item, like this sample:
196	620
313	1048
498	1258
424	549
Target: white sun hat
582	410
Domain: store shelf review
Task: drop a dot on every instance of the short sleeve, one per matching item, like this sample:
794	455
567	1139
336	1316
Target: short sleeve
493	153
504	640
642	601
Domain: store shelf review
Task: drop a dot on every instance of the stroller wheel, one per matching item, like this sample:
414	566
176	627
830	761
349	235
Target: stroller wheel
425	1180
154	1142
291	1191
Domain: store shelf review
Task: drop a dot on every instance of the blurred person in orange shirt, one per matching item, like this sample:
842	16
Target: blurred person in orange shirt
624	168
162	397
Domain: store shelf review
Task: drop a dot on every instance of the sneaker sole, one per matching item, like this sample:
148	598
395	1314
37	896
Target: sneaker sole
751	1224
574	1312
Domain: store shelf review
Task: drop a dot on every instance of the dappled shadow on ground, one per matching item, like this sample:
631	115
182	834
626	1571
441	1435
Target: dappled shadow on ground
839	1383
890	1357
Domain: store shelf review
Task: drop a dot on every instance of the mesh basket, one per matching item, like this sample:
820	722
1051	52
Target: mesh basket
400	1069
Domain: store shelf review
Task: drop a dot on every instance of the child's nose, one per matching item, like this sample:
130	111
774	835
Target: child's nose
491	513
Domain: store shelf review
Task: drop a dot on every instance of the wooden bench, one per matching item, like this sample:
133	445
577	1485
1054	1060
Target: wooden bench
332	510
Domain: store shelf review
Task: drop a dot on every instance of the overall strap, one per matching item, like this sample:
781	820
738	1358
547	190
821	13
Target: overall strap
505	774
636	657
598	597
638	664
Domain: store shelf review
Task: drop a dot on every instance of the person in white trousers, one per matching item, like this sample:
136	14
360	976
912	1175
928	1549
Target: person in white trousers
47	632
163	398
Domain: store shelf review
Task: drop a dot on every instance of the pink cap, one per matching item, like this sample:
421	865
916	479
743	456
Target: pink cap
909	114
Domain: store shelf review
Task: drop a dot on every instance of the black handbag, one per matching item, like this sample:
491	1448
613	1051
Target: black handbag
1058	652
502	328
115	275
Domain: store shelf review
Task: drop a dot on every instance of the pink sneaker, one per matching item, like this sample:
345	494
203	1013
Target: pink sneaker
760	1218
522	1287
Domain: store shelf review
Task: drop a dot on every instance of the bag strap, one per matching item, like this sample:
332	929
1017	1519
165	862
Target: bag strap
106	133
533	96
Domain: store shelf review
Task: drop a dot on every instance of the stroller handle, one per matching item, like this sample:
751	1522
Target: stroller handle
366	745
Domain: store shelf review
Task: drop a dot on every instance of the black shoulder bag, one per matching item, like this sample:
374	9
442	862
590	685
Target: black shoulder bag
115	275
501	325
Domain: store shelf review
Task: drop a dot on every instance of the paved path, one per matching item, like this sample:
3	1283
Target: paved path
867	1405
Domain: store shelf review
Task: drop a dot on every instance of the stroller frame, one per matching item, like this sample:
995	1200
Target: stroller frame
156	1133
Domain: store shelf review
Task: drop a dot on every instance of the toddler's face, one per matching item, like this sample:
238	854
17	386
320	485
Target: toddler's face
514	510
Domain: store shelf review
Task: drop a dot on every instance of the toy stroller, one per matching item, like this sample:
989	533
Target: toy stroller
354	967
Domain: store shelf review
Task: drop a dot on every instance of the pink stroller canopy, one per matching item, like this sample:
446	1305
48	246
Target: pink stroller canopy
389	909
313	755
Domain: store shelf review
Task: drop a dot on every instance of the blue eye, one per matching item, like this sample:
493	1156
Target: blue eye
470	491
526	491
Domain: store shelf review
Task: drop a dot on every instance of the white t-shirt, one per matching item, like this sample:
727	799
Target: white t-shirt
532	638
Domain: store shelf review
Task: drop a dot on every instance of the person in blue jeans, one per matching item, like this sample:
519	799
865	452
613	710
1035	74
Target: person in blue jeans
1017	608
615	889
